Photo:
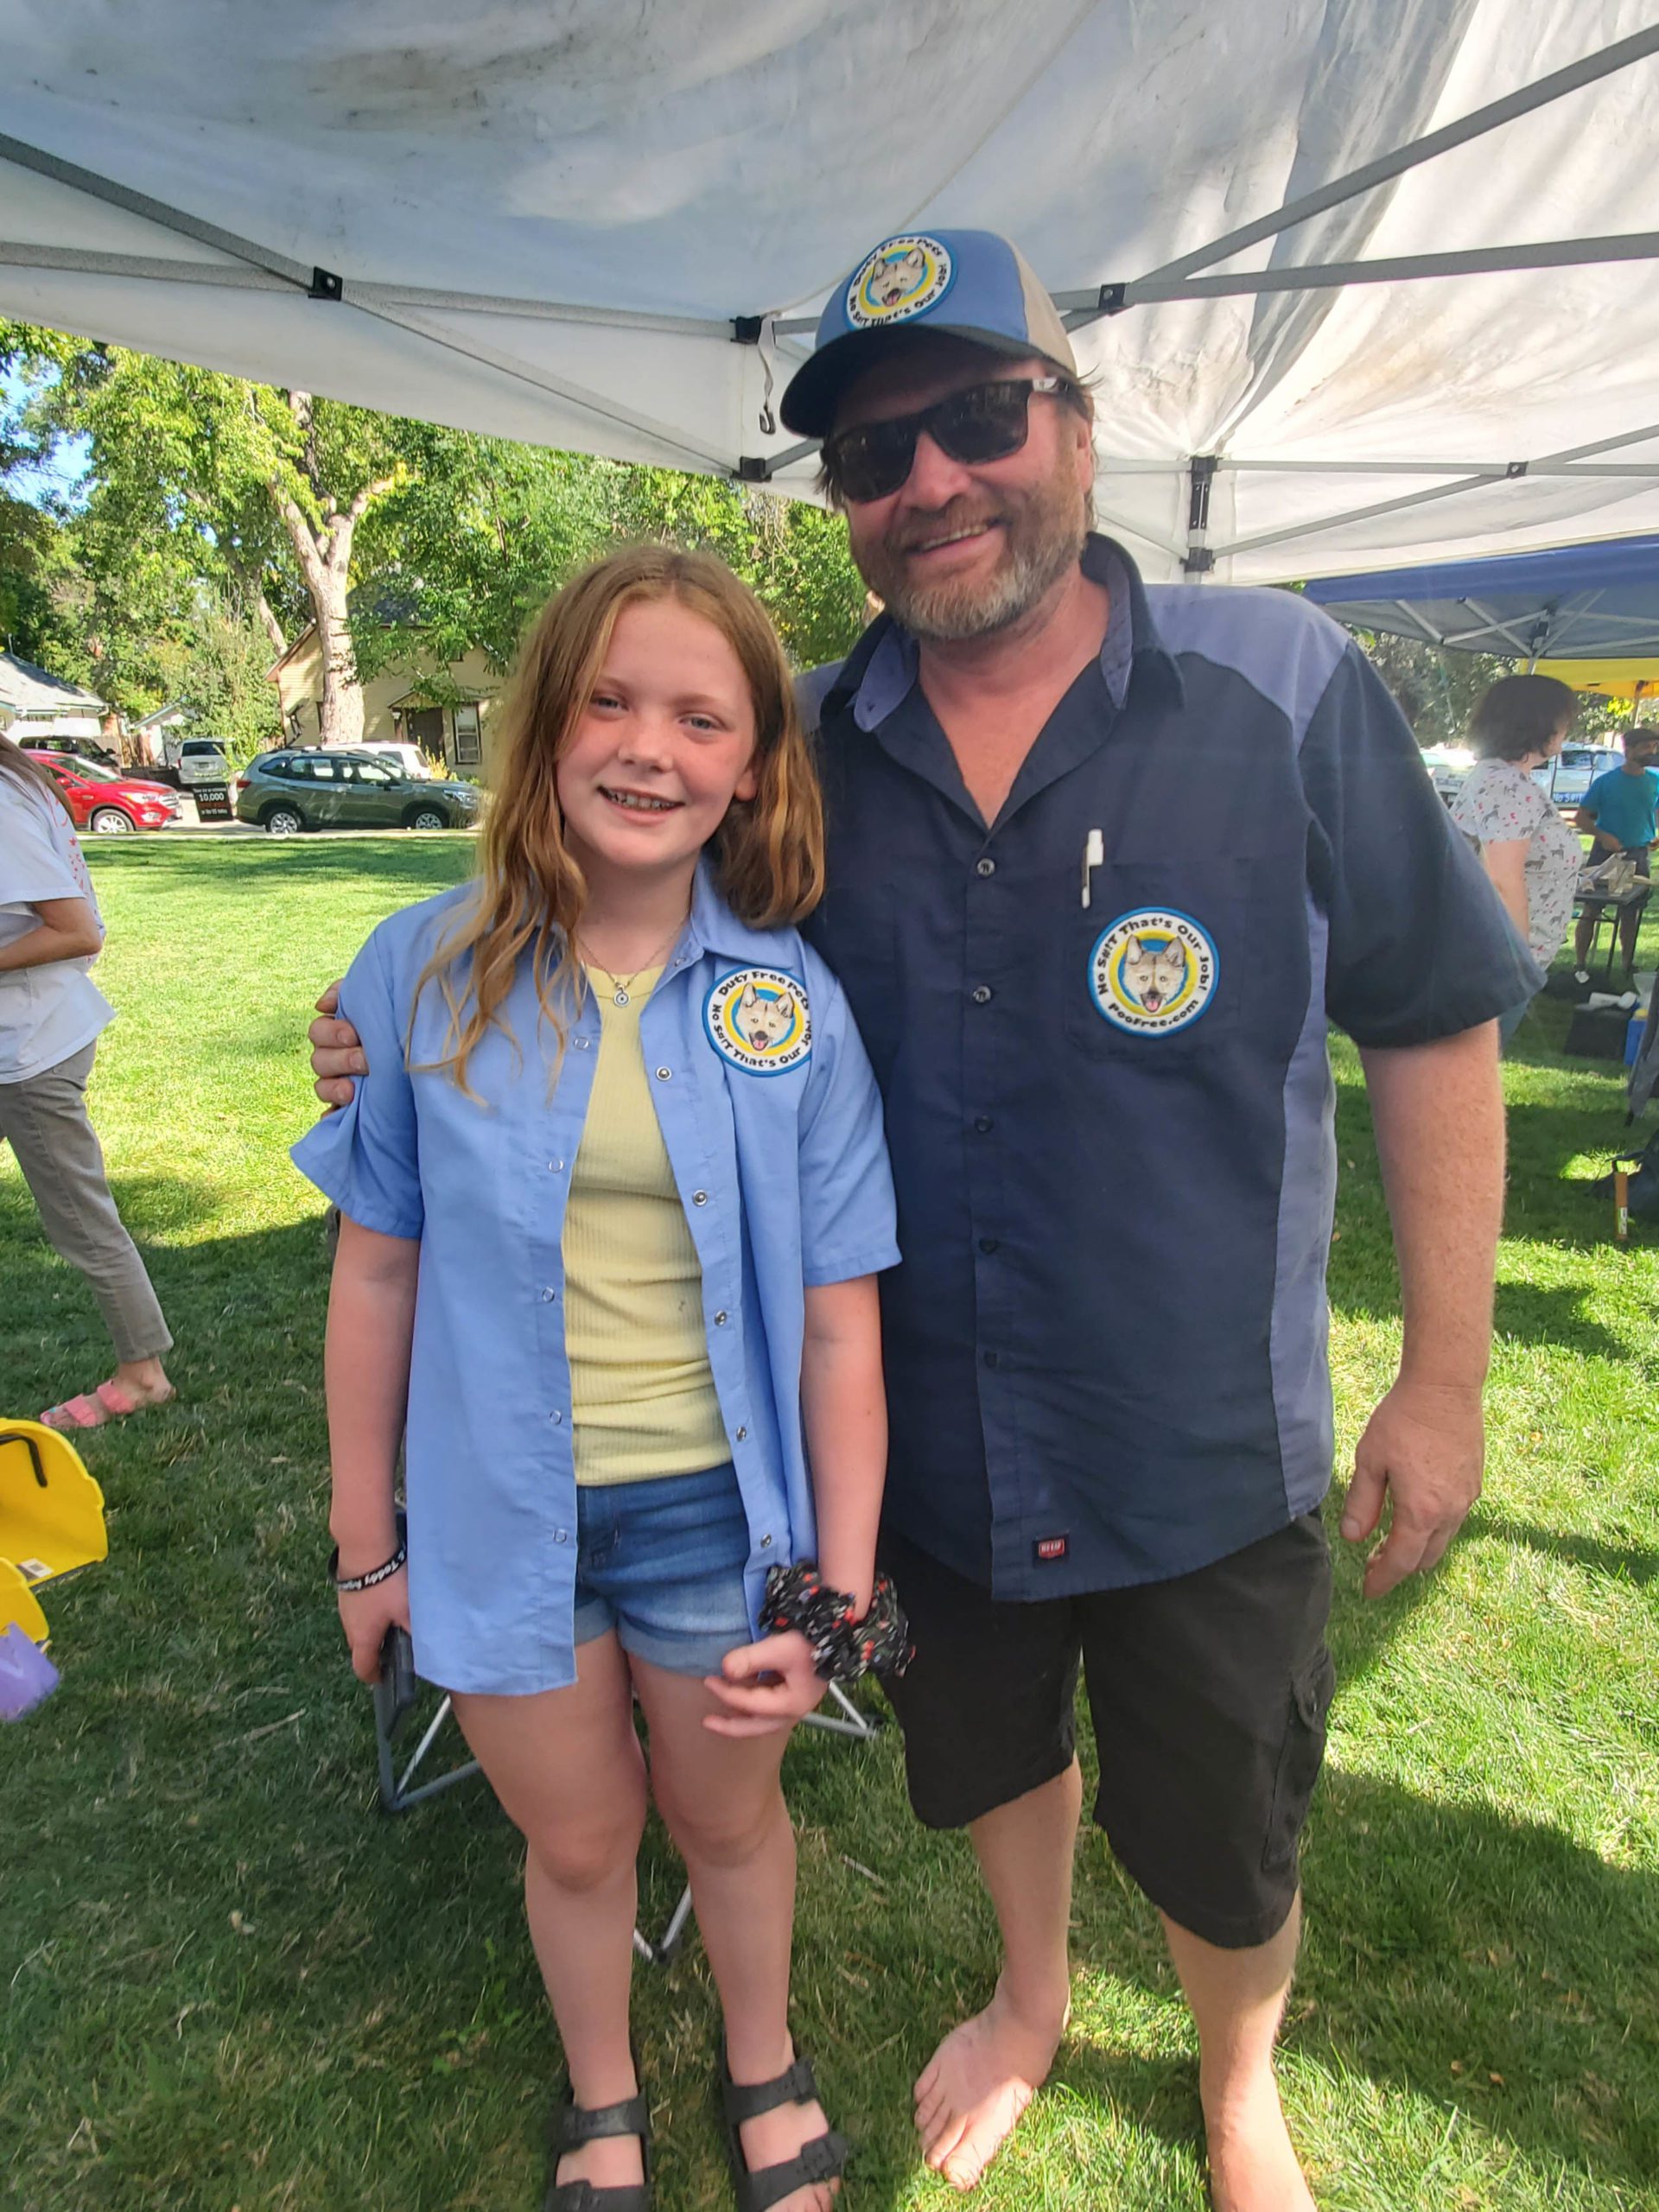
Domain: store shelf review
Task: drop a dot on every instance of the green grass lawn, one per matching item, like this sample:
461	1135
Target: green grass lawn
231	1985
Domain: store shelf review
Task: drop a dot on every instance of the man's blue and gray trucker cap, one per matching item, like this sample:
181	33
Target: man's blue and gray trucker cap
969	283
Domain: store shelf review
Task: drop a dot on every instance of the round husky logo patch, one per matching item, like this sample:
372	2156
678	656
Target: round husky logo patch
901	278
1152	971
758	1019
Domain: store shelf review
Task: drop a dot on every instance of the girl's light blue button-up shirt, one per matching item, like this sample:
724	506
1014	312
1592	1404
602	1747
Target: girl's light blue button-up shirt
778	1156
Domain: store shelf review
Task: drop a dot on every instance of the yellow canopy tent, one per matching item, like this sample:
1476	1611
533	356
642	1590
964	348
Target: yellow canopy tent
1632	680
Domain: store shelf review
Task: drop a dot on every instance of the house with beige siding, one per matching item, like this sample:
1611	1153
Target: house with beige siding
396	707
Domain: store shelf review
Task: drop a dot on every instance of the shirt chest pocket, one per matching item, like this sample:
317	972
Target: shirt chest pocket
1158	969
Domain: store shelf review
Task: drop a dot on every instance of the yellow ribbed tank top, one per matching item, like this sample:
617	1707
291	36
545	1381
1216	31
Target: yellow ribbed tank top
642	1395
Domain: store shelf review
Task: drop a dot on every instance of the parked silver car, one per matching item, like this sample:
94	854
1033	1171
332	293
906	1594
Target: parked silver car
1570	774
196	760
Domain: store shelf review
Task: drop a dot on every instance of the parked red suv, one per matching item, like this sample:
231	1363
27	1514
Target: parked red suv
103	800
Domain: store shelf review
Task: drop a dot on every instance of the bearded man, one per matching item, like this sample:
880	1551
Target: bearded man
1104	860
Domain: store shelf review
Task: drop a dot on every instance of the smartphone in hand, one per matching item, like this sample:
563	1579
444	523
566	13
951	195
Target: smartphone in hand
394	1694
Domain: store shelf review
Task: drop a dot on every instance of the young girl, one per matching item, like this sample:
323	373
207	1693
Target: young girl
51	1016
615	1199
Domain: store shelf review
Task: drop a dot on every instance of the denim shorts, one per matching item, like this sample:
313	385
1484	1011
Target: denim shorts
662	1563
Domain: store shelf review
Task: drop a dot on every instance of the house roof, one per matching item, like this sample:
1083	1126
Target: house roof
30	691
168	711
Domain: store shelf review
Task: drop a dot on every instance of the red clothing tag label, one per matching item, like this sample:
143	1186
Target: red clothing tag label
1049	1548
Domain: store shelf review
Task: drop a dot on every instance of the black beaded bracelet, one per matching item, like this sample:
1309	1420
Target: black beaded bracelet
845	1646
352	1583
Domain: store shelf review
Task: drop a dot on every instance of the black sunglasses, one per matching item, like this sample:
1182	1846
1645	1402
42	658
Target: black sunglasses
987	421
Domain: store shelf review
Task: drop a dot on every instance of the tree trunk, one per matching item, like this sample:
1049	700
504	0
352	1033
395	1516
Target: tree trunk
323	550
268	622
342	694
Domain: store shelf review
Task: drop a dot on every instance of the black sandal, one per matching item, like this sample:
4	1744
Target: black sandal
821	2159
574	2125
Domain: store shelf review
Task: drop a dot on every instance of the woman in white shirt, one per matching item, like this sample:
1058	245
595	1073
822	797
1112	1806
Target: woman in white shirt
1530	853
51	1015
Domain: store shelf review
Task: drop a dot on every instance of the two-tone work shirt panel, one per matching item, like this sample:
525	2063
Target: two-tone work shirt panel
1100	1030
773	1127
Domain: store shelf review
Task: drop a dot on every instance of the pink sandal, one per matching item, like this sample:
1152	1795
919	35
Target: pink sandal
107	1403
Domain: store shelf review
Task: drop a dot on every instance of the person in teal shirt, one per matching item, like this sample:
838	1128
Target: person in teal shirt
1620	811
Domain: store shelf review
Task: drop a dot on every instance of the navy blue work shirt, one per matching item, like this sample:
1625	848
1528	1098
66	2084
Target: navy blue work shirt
1111	1115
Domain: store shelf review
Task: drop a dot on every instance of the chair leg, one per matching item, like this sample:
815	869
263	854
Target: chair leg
865	1727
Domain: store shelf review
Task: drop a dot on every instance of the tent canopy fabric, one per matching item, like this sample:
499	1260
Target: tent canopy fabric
609	228
1629	680
1579	601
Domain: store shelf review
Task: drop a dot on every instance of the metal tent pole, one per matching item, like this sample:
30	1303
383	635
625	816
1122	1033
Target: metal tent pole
1085	305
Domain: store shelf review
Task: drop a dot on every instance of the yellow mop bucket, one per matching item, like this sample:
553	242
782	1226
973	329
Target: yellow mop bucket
51	1518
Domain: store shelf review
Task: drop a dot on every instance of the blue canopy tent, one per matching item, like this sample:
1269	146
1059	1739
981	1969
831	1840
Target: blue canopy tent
1572	602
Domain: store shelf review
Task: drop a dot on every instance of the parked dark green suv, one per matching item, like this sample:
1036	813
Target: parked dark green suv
313	787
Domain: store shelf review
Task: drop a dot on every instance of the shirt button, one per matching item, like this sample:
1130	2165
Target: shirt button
982	994
766	1543
981	1122
742	1435
557	1419
985	865
548	1296
989	1358
555	1167
581	1043
989	1243
699	1197
662	1074
560	1537
720	1320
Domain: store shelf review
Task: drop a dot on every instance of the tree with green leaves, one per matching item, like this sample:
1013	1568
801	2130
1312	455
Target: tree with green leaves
199	480
480	532
212	507
469	545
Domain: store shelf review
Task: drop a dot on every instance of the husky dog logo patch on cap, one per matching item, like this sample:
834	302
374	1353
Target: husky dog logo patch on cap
757	1019
1152	971
904	276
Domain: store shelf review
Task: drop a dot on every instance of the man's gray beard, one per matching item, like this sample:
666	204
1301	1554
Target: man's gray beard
1037	558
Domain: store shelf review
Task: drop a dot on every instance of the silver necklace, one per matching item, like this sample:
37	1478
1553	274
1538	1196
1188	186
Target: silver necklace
622	986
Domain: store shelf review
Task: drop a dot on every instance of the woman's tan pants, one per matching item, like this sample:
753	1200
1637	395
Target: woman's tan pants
44	1120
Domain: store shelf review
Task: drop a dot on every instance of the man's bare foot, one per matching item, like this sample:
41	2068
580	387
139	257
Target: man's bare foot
1253	2167
980	2080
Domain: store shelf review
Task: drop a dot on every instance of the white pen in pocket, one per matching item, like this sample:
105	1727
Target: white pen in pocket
1093	856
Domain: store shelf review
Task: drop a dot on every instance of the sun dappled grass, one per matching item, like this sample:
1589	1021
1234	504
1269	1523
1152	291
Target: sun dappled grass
231	1983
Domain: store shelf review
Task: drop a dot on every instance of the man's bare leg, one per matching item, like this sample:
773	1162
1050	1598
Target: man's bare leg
986	2072
1238	1999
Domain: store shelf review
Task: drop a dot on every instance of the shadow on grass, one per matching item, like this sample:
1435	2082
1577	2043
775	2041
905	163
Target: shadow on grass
1628	1562
1362	1628
208	1762
52	1335
1544	1204
1532	1313
245	1310
1487	1964
149	1206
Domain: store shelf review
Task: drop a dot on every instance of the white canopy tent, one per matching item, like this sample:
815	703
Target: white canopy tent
1360	282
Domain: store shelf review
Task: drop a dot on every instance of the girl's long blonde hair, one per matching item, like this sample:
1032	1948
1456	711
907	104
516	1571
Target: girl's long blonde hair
529	893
